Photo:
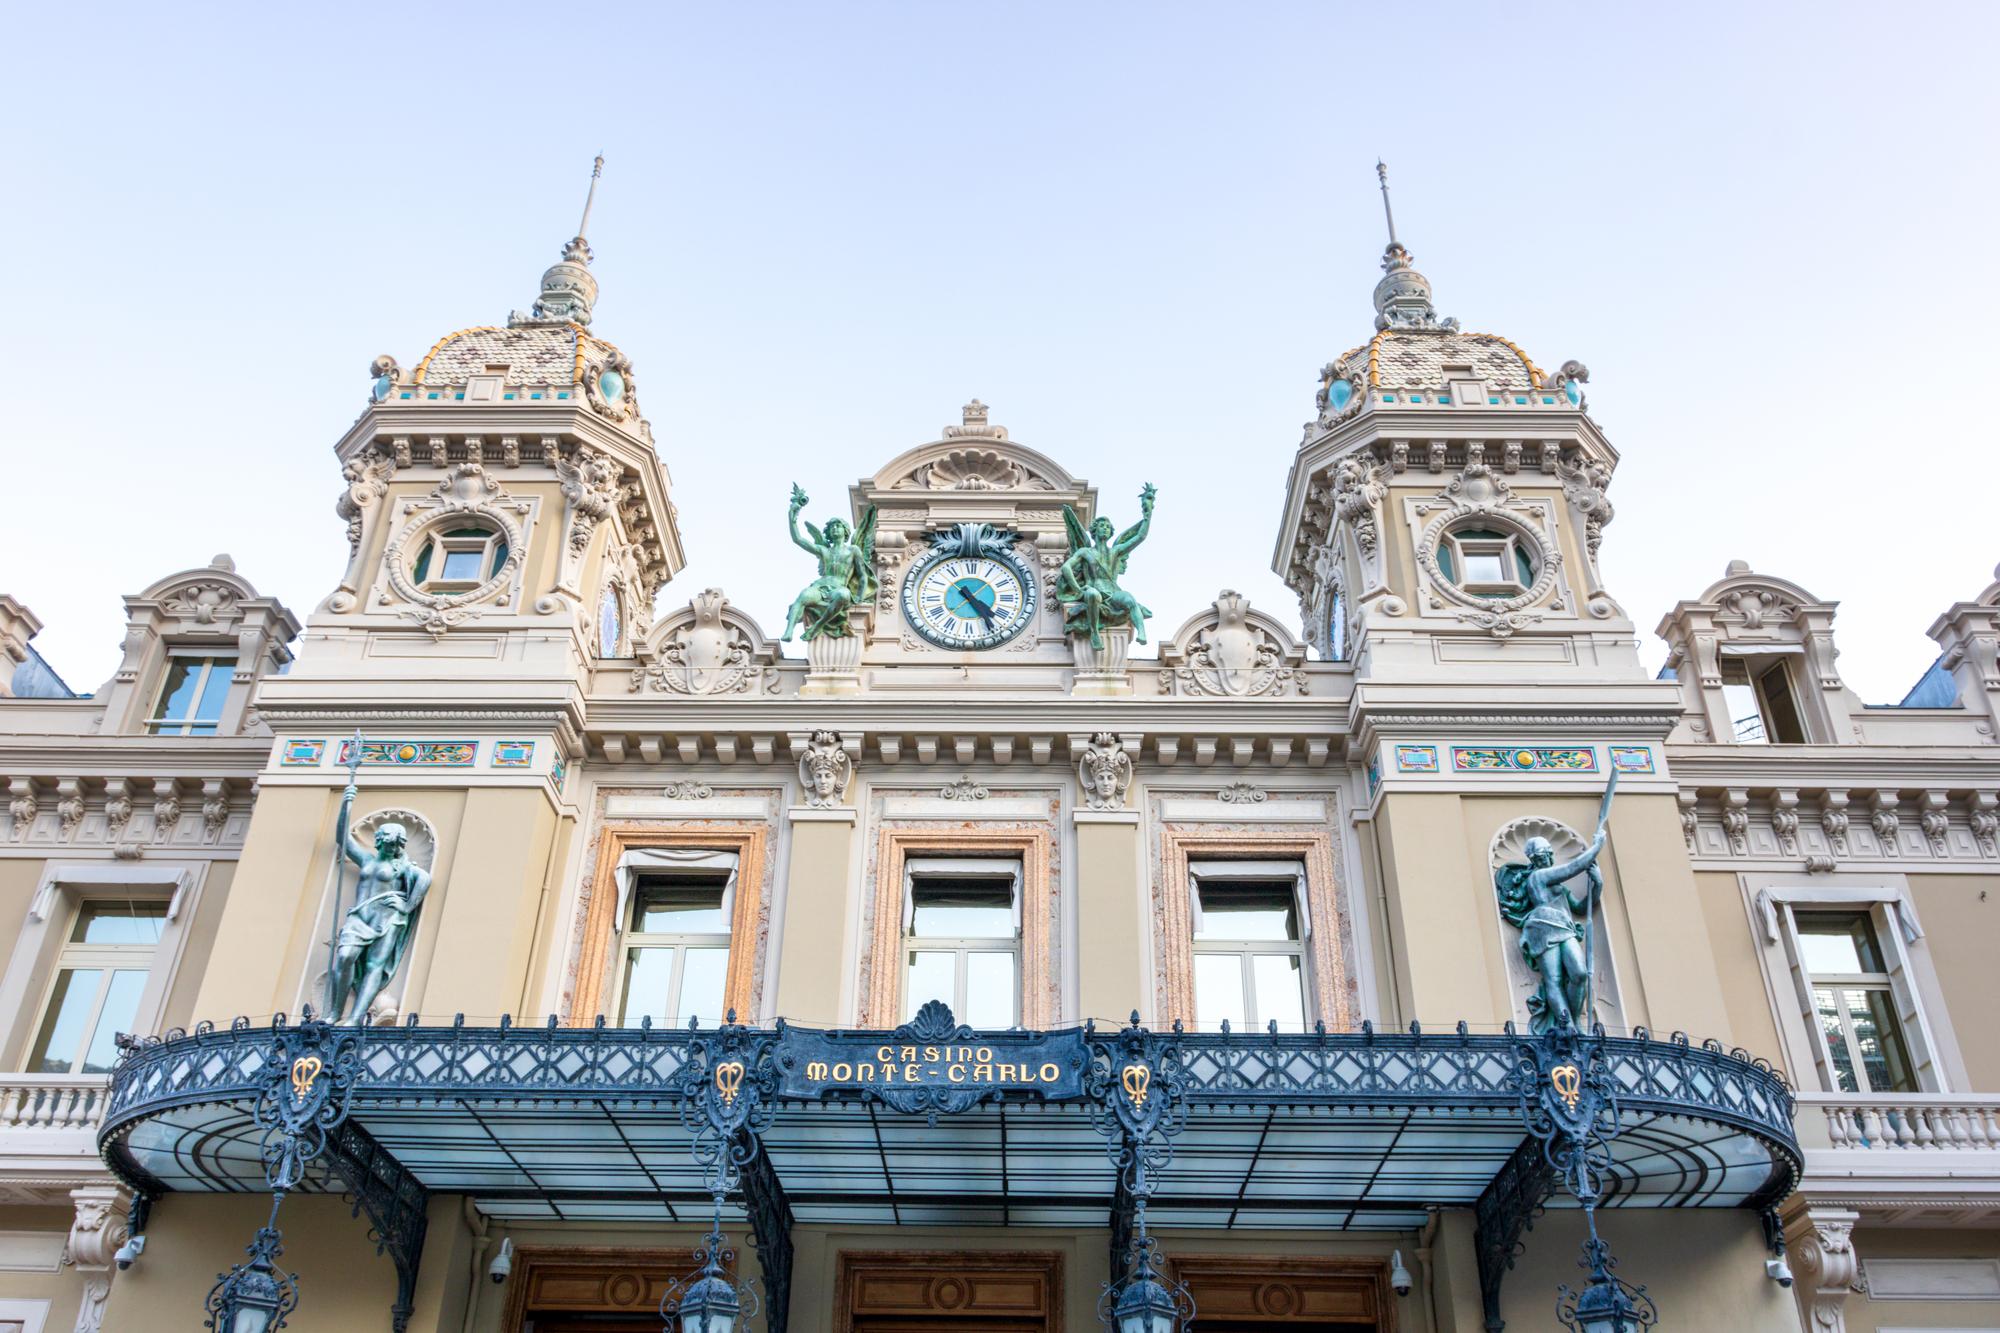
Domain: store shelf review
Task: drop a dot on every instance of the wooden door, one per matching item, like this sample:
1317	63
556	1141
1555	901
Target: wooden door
955	1291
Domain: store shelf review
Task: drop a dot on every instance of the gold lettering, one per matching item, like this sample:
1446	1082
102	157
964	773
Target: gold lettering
1049	1073
982	1073
1007	1074
911	1074
843	1072
985	1054
885	1053
816	1070
866	1073
909	1053
955	1073
930	1053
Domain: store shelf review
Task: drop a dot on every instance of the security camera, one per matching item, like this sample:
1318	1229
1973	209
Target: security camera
129	1251
503	1262
1778	1271
1399	1276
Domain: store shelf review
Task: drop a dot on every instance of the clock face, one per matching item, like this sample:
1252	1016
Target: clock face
968	602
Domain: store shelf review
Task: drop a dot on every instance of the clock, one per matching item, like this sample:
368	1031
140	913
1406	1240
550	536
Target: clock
970	591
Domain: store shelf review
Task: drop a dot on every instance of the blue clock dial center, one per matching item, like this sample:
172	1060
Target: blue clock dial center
968	602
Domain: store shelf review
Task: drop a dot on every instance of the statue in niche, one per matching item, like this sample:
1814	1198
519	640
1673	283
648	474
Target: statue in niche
1536	899
1087	582
376	932
846	573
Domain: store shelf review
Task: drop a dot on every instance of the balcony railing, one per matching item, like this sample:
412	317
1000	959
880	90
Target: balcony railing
51	1102
1900	1122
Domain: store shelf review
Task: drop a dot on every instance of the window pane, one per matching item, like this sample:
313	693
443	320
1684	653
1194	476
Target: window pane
963	910
499	560
1876	1032
119	921
215	689
678	907
1781	708
932	976
1444	562
121	1006
1485	567
423	568
1281	991
1838	943
1218	990
1745	718
1826	1007
62	1031
1248	912
1524	566
177	692
702	977
462	566
989	990
648	972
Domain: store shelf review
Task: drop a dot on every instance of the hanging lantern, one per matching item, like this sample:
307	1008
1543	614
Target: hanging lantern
256	1296
1146	1303
709	1302
1609	1304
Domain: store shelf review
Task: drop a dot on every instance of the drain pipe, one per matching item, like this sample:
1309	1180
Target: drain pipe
479	1225
1423	1252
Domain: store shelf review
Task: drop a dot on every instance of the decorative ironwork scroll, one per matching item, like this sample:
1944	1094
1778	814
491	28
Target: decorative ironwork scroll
308	1080
728	1088
397	1205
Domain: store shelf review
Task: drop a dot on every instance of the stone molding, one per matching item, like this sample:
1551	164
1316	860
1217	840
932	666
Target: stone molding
129	817
1230	651
1823	828
1821	1244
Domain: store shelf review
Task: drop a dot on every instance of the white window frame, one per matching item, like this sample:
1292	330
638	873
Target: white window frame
1221	873
1757	660
32	1314
1917	998
434	580
51	914
1508	548
700	863
996	868
159	725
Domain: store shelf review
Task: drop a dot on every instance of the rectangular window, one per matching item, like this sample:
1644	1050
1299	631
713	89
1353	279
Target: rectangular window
962	938
1763	708
677	948
1853	1001
1249	945
100	977
192	696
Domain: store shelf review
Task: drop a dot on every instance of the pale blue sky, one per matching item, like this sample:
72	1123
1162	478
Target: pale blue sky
1136	230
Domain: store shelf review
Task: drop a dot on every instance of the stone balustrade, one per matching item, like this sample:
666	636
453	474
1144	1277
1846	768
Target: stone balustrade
1900	1122
51	1102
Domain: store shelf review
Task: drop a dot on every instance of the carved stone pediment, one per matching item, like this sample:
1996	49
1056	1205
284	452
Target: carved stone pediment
708	647
1231	651
973	456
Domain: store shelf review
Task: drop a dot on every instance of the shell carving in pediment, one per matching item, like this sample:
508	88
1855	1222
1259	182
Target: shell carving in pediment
972	470
203	603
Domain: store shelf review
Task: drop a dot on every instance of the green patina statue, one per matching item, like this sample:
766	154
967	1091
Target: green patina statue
376	932
1087	583
1536	900
846	573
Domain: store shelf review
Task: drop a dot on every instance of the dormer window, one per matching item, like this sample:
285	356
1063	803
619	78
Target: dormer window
459	559
192	695
1763	708
1486	563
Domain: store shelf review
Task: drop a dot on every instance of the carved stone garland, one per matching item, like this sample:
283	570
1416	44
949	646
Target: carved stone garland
1477	494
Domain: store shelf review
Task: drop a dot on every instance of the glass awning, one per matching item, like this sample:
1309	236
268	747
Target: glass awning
1359	1130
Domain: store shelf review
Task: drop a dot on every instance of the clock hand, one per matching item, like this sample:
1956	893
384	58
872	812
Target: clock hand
971	594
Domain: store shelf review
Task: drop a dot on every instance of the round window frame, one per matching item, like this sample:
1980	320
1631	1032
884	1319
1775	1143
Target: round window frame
612	595
1547	559
401	556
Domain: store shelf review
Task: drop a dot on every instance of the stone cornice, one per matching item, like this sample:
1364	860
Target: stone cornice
133	756
1848	767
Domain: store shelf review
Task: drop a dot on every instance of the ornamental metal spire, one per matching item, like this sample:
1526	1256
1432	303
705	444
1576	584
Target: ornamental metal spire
1403	297
568	289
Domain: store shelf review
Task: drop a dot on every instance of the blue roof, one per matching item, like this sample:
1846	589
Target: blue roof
36	679
1936	688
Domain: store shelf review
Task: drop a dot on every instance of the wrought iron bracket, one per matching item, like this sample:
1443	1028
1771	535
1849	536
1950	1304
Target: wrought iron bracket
771	1226
1507	1209
396	1203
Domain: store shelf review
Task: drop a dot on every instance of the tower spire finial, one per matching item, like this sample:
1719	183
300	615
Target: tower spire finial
578	250
1381	174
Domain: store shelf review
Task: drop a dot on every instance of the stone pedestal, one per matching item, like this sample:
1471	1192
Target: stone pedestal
1102	671
834	665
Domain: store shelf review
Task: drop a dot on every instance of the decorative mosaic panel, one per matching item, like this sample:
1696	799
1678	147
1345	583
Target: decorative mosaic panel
558	772
413	754
302	754
1632	758
513	754
1374	775
1416	759
1523	759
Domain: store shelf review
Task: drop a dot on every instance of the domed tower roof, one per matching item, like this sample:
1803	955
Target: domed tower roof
1414	352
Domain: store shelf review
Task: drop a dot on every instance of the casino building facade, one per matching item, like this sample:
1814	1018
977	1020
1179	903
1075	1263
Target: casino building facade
984	954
